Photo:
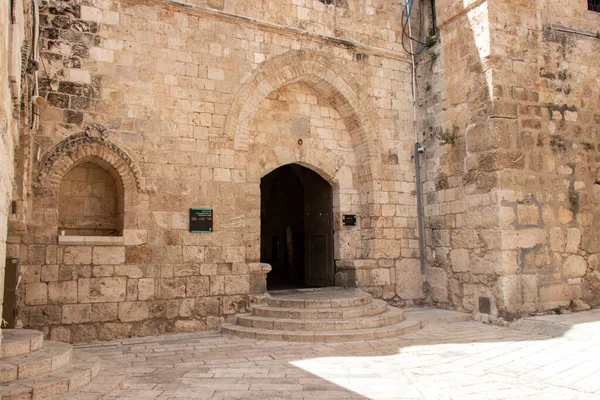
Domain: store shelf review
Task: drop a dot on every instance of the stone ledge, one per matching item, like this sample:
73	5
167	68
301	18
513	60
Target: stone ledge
259	268
90	240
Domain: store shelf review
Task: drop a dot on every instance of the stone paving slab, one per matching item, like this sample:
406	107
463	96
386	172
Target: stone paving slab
463	360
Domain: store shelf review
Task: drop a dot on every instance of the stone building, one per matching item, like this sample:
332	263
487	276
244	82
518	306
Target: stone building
289	129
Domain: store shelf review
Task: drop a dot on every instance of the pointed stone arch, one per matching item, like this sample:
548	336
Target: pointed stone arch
93	144
321	73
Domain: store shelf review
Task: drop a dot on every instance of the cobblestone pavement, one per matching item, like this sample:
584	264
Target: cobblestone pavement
468	360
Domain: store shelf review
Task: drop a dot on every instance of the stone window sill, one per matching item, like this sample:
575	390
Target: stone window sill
91	240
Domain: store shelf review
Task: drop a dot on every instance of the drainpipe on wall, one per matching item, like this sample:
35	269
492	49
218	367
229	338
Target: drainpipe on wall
417	151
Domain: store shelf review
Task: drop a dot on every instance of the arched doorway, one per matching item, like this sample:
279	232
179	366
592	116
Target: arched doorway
297	228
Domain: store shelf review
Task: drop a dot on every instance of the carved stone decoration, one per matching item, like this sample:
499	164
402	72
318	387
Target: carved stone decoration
93	142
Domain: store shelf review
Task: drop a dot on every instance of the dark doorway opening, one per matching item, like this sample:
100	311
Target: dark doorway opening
296	230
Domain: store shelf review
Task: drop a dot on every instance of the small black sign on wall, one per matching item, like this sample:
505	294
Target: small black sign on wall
201	220
349	220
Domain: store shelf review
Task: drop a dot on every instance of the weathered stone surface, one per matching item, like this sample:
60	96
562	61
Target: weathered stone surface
133	311
189	326
129	143
460	260
62	292
409	279
101	290
573	240
76	313
108	255
574	267
77	255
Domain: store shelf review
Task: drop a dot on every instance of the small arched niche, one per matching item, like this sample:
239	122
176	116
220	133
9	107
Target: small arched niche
91	200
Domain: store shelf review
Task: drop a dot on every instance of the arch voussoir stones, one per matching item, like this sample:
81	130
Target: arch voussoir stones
320	72
92	144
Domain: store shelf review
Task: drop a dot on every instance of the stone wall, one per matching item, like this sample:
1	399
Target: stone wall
191	106
511	163
14	22
89	202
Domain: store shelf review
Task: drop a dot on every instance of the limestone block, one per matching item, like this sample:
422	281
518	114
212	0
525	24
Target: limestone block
409	279
60	334
534	259
574	267
557	239
102	312
465	239
505	262
101	290
460	260
135	237
197	286
83	333
36	293
528	214
380	277
564	215
30	273
108	255
49	273
138	254
237	284
133	311
235	304
76	313
145	288
193	254
594	261
555	295
186	308
573	240
189	326
130	271
42	315
170	288
506	216
110	331
63	292
509	290
77	255
206	306
234	254
437	278
523	238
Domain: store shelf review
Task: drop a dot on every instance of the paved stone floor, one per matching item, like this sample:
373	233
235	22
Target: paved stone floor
467	360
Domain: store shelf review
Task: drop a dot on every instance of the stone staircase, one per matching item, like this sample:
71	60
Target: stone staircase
329	315
31	368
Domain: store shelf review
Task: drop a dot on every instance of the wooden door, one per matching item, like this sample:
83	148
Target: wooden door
318	231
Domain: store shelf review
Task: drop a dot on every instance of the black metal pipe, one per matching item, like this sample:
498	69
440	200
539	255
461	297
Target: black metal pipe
418	150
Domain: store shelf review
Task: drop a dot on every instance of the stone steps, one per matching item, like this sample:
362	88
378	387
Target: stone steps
332	315
33	369
388	317
321	315
319	298
374	308
80	372
400	328
20	341
52	356
104	384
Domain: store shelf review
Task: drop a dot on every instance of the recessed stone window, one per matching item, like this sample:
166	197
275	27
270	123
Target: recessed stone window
594	5
90	202
336	3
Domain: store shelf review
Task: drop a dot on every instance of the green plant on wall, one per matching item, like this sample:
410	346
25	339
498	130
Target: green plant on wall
449	137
